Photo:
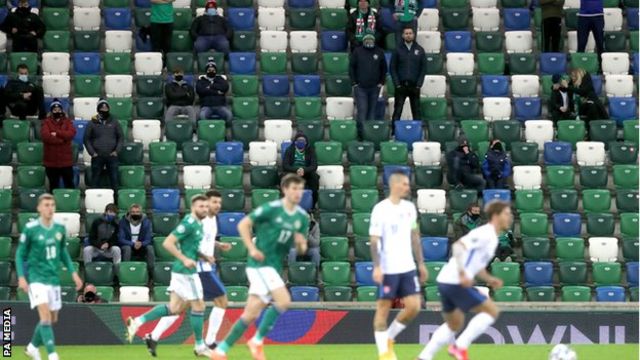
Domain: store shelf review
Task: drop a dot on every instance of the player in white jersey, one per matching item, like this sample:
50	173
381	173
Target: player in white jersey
212	287
395	249
470	257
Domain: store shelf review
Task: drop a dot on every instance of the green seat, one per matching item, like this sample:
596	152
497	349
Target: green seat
237	293
593	177
332	200
211	131
333	19
433	108
431	293
133	273
489	42
131	177
630	129
534	224
5	248
245	108
24	218
99	273
73	247
334	248
360	224
15	131
541	293
376	131
335	63
233	273
244	85
55	18
338	85
529	201
435	64
569	249
465	108
150	108
363	200
634	294
181	41
615	41
428	177
572	272
360	153
228	176
476	131
233	199
455	19
433	268
363	177
571	19
117	63
162	273
105	292
149	86
586	61
5	273
337	293
5	224
67	200
634	40
164	223
264	177
178	131
576	293
232	3
29	199
394	153
263	196
238	251
596	200
630	248
508	294
116	3
87	85
448	4
57	41
336	273
6	199
128	197
362	248
459	200
29	153
333	224
607	273
627	200
273	63
161	293
163	153
121	108
277	107
328	152
536	248
343	131
367	293
308	108
507	131
28	58
600	224
302	273
164	176
180	60
564	200
161	253
244	131
6	153
182	18
491	63
508	272
302	19
629	224
86	41
313	129
441	131
571	131
196	153
463	86
433	224
31	177
560	177
304	63
524	153
622	153
522	64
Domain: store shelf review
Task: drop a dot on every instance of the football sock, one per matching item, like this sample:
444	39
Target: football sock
234	334
382	341
268	320
54	356
36	339
197	321
215	320
477	326
441	337
162	326
157	312
395	328
46	333
31	348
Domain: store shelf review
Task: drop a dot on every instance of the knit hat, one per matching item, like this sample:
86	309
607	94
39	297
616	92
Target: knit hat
369	36
211	4
55	104
102	102
212	64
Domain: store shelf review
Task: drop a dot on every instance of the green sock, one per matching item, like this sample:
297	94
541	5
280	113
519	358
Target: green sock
268	320
234	334
46	333
157	312
36	340
197	320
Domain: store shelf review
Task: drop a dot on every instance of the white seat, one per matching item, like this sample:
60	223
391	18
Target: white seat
197	176
3	42
263	153
615	63
518	41
525	85
619	85
148	63
538	131
118	41
182	4
87	18
85	107
56	86
146	132
527	177
118	85
612	19
572	42
71	222
496	108
339	108
429	20
134	294
572	4
95	200
426	153
333	4
430	41
406	109
271	18
603	249
273	41
486	19
434	86
432	200
303	41
6	177
278	131
590	153
460	63
484	4
56	63
86	3
331	176
271	3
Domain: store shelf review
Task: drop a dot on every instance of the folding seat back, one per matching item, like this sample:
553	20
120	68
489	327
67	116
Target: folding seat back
146	132
426	153
434	86
557	153
629	223
603	249
435	248
431	200
56	63
331	176
339	108
622	108
306	85
486	19
117	18
496	194
273	41
96	200
527	108
263	153
118	41
270	18
364	273
527	177
610	293
494	85
538	273
148	63
566	224
525	85
56	85
518	41
197	177
615	63
619	85
496	108
489	41
508	272
590	153
612	19
460	63
607	273
516	19
457	41
553	63
539	131
165	200
86	18
428	20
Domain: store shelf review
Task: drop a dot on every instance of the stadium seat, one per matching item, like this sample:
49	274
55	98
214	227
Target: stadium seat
30	177
460	63
331	176
508	294
571	131
566	224
557	153
363	177
229	153
133	273
429	40
363	274
496	108
165	200
28	199
227	176
232	200
600	224
538	273
336	273
603	249
263	177
118	41
529	201
275	85
627	200
97	199
630	131
333	224
553	63
302	273
360	224
625	176
393	153
489	195
163	224
434	86
490	41
607	273
539	131
619	85
612	19
330	200
455	18
575	293
435	248
428	20
518	41
623	153
426	153
629	224
241	18
128	197
525	85
304	293
363	200
462	86
564	200
508	272
516	19
590	153
431	200
527	177
334	248
86	18
534	224
465	108
486	19
457	41
99	273
227	223
163	153
527	108
262	153
306	85
435	225
196	153
587	61
233	273
610	293
569	249
632	274
621	109
522	63
459	200
433	109
615	63
337	293
164	176
244	131
596	200
29	153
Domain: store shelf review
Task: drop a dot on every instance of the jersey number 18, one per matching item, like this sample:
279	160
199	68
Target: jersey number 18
51	252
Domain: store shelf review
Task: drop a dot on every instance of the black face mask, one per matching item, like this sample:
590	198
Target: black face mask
178	78
24	10
497	147
57	115
136	217
104	113
211	74
89	296
475	217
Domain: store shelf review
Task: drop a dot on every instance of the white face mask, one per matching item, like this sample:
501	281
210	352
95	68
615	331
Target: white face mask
23	78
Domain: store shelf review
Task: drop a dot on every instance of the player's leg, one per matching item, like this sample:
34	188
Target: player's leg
380	333
216	316
176	306
196	318
444	335
253	308
487	313
410	292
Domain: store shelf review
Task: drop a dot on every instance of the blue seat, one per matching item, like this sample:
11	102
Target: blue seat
242	63
489	195
143	3
495	85
428	4
117	18
304	293
387	58
228	223
557	153
621	109
86	63
516	19
188	78
596	80
241	18
166	200
143	45
32	3
333	41
275	85
435	248
302	4
307	200
3	80
306	85
636	63
610	294
229	153
553	63
388	170
364	272
386	19
81	127
66	103
632	273
408	131
527	108
457	41
632	18
283	148
4	11
538	273
567	224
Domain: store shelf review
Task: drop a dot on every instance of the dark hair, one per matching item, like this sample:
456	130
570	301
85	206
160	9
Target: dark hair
473	205
495	208
290	179
198	197
213	193
22	66
135	206
45	196
408	27
111	207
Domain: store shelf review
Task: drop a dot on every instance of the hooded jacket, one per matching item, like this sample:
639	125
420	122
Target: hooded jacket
496	165
210	25
179	93
124	231
212	92
103	231
288	163
58	152
103	136
26	22
15	88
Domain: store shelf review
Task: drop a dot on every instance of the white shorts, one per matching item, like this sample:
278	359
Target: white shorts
45	294
187	286
262	281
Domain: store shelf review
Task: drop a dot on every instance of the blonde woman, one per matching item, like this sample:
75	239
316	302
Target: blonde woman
589	105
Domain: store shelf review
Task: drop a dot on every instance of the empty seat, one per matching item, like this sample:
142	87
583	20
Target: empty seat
148	63
340	107
56	85
612	19
494	85
553	63
118	85
619	85
518	41
496	108
197	177
273	41
457	41
460	63
527	177
429	40
116	18
95	200
610	293
590	153
525	85
434	86
55	63
603	249
557	153
270	18
538	273
303	41
516	19
146	131
428	20
622	108
539	131
486	19
263	153
431	200
566	224
489	195
87	18
426	153
331	176
118	41
615	63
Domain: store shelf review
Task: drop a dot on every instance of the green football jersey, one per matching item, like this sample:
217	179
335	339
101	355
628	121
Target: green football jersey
274	229
44	250
189	234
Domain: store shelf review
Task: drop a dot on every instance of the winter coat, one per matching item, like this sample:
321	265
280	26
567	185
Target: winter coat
58	150
496	165
288	162
102	137
179	94
124	233
212	91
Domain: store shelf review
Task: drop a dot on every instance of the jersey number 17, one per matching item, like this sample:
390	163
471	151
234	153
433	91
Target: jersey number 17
284	236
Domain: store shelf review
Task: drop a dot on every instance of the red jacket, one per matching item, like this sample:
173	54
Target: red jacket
58	151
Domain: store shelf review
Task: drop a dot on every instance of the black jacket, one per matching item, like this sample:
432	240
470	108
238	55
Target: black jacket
460	163
351	26
408	66
102	137
179	93
309	154
367	67
207	25
590	107
555	103
103	231
25	22
14	89
212	91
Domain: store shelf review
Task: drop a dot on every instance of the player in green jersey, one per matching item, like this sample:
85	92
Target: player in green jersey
277	224
43	245
185	286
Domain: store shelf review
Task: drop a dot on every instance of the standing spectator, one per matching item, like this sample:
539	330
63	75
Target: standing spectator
364	20
408	67
179	98
367	70
405	12
212	90
211	31
103	139
496	166
464	167
23	97
161	25
588	103
560	104
300	158
57	135
103	238
134	237
24	28
313	243
551	24
591	20
471	219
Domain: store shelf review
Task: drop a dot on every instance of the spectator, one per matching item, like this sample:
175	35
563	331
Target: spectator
496	166
24	28
313	243
364	20
23	97
103	238
90	295
57	135
551	24
408	67
464	167
405	16
591	20
367	70
560	104
211	89
300	158
161	25
469	220
211	31
588	103
135	237
179	98
506	243
103	140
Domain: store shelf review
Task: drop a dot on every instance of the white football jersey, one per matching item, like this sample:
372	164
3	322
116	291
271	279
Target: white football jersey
208	242
394	225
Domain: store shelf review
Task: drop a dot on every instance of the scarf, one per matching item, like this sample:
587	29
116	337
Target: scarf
363	26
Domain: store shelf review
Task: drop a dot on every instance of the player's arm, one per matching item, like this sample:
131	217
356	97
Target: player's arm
457	251
21	254
245	227
169	244
223	246
416	246
375	258
491	280
68	263
209	259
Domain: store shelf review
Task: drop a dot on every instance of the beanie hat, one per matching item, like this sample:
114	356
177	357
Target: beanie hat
211	4
55	103
212	64
102	102
368	36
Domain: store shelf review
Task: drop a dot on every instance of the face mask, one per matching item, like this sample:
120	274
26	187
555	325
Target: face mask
57	115
136	217
109	217
178	78
23	78
212	12
24	10
369	45
475	217
300	144
211	74
104	113
497	147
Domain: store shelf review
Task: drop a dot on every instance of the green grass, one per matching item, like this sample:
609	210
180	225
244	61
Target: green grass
340	352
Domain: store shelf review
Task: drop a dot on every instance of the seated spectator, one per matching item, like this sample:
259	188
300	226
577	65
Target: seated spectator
212	90
179	98
103	140
506	243
364	20
300	158
24	28
103	238
588	103
211	31
464	167
471	219
90	295
496	166
560	104
313	243
57	134
22	96
135	237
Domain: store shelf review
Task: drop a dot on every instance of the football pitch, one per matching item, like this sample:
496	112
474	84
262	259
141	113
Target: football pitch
340	352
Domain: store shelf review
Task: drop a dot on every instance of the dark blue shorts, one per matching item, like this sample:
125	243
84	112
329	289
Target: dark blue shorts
212	287
458	297
398	286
